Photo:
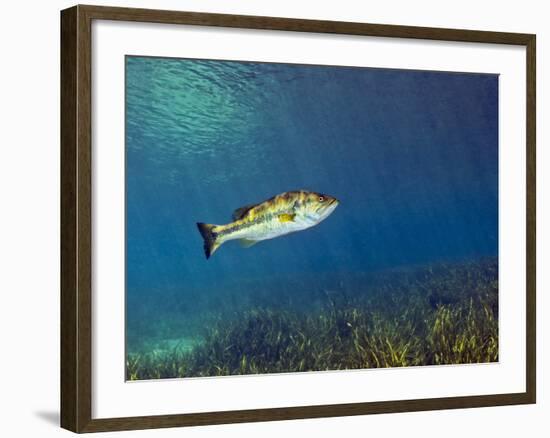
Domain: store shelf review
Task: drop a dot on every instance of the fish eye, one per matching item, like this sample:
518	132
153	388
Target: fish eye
321	198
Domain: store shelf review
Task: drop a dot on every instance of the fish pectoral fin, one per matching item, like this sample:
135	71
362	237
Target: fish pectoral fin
287	217
247	243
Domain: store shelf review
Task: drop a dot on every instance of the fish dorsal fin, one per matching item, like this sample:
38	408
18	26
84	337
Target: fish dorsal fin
247	243
239	213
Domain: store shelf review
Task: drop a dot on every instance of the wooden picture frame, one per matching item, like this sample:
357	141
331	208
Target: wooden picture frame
76	217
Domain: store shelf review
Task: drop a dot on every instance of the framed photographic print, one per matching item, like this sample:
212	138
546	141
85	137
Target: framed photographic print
270	218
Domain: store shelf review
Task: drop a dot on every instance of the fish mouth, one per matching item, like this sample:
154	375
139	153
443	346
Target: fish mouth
330	206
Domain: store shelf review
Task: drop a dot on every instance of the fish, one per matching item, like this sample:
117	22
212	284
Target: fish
279	215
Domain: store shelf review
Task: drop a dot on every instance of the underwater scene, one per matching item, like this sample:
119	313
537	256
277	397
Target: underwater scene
290	218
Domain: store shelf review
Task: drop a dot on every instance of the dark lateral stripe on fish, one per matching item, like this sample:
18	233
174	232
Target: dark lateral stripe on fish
244	224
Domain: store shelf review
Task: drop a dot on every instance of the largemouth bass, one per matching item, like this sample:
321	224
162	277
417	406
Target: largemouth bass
282	214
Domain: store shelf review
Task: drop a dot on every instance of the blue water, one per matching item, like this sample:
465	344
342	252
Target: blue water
411	155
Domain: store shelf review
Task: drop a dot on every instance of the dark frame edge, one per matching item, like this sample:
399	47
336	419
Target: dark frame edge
69	330
303	412
302	25
76	223
75	348
531	217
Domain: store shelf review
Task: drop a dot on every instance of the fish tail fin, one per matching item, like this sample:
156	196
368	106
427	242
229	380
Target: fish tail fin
211	241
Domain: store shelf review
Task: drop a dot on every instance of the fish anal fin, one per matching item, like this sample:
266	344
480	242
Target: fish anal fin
247	243
287	217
